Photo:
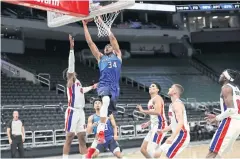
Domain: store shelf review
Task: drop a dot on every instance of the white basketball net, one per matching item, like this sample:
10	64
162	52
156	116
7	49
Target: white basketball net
104	23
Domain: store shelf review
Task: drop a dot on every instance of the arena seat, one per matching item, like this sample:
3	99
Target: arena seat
220	62
55	67
170	70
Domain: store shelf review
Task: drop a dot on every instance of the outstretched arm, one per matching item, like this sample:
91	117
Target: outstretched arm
227	94
114	125
90	125
91	44
87	89
115	45
71	63
112	39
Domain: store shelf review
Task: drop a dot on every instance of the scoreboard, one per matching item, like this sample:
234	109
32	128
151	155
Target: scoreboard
208	7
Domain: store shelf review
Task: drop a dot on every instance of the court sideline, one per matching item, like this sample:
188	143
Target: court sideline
194	150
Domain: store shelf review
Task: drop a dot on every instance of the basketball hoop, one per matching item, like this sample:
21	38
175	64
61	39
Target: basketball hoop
104	23
107	12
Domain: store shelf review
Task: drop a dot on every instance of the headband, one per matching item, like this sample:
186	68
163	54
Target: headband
226	74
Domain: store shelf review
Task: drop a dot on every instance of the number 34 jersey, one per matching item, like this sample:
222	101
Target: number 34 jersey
110	71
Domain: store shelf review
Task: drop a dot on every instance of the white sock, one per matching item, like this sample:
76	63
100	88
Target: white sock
64	156
94	144
101	127
82	156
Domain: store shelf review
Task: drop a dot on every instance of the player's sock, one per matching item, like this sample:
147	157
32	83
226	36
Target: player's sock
105	105
90	153
82	156
101	127
92	149
65	156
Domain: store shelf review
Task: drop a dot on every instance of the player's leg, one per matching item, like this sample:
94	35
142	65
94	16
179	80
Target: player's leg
163	148
178	145
115	149
67	144
144	145
100	148
221	138
155	141
105	94
70	127
81	132
92	149
95	154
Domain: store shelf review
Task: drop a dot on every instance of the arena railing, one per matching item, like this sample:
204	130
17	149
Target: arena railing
127	131
45	75
61	88
32	106
43	80
43	138
139	115
59	138
4	141
28	139
140	132
120	109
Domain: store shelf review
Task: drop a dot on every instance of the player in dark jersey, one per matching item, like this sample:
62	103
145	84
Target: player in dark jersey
111	135
109	64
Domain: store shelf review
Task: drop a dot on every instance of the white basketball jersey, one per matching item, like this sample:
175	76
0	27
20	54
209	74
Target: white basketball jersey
173	120
236	101
76	98
156	119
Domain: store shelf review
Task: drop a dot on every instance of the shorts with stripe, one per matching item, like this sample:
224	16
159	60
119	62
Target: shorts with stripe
178	145
154	137
75	120
225	136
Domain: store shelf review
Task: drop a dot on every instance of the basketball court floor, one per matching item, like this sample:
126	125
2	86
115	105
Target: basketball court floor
194	150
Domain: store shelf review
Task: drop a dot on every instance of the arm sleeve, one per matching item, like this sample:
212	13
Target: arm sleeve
9	124
71	62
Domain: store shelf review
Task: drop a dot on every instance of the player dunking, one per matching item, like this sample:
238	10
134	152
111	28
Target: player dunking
180	136
157	121
229	127
75	116
110	133
109	65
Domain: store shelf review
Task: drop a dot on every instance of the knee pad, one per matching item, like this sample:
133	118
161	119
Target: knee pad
104	108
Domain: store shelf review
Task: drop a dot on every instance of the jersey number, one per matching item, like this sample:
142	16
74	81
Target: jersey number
112	64
238	105
106	128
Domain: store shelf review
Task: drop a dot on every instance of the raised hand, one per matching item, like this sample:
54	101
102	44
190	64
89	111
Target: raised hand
71	40
85	22
95	86
145	125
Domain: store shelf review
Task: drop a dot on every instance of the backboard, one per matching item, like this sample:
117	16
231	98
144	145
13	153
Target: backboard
96	8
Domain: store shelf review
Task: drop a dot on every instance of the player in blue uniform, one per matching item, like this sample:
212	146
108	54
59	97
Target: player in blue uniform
111	135
109	64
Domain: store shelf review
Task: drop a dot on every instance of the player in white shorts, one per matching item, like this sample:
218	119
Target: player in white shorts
229	127
157	121
180	136
74	115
